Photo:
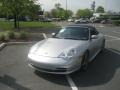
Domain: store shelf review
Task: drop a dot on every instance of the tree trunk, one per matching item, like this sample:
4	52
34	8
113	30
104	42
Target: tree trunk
15	21
18	24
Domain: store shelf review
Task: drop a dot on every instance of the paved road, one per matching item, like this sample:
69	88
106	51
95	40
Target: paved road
103	72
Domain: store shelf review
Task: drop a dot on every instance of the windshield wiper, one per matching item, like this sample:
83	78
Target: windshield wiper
72	38
58	37
76	38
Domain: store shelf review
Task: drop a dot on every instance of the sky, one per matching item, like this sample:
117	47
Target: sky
74	5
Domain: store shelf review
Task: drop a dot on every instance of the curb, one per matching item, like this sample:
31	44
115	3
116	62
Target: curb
3	45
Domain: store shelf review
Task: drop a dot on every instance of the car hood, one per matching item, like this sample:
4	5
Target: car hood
53	47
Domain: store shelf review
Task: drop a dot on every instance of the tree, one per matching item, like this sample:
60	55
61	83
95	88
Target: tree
84	13
33	10
100	9
47	14
54	13
18	8
59	12
57	5
69	13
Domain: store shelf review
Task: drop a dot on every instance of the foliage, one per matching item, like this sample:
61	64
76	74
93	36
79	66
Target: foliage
69	13
10	35
54	13
59	12
57	5
100	9
47	14
116	22
22	35
17	8
2	37
33	10
84	13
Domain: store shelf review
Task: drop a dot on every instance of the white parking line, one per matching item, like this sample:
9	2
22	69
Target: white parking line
116	32
101	26
71	82
112	36
114	51
113	40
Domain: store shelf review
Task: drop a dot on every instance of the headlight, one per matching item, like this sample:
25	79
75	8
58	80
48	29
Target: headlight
68	54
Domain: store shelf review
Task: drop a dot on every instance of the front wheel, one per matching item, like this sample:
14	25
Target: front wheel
84	64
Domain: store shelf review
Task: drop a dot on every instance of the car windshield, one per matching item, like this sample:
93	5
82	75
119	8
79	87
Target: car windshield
75	33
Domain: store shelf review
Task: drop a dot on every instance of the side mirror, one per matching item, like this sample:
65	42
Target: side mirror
94	37
53	34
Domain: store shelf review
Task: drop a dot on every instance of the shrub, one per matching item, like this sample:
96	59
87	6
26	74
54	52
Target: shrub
116	23
10	34
2	37
23	35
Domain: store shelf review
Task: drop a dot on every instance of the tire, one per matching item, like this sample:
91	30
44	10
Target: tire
84	63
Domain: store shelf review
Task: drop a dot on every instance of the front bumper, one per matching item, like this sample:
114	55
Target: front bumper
53	65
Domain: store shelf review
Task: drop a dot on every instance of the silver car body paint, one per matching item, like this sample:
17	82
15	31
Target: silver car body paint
46	57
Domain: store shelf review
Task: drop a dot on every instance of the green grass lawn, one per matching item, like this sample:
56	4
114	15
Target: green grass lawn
7	25
37	24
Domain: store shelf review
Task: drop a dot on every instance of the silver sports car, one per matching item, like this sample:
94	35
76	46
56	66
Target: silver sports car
72	48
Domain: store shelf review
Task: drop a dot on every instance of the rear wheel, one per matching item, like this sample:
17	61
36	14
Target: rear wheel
84	64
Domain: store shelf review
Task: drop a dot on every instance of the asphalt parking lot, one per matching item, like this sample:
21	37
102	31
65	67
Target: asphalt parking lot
103	73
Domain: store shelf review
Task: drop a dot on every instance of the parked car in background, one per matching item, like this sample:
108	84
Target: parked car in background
56	19
72	48
82	20
71	20
46	20
97	20
106	21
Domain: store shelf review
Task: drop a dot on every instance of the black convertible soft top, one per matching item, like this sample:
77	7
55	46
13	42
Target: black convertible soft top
80	25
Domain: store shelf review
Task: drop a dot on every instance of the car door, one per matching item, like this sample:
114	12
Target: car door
94	43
